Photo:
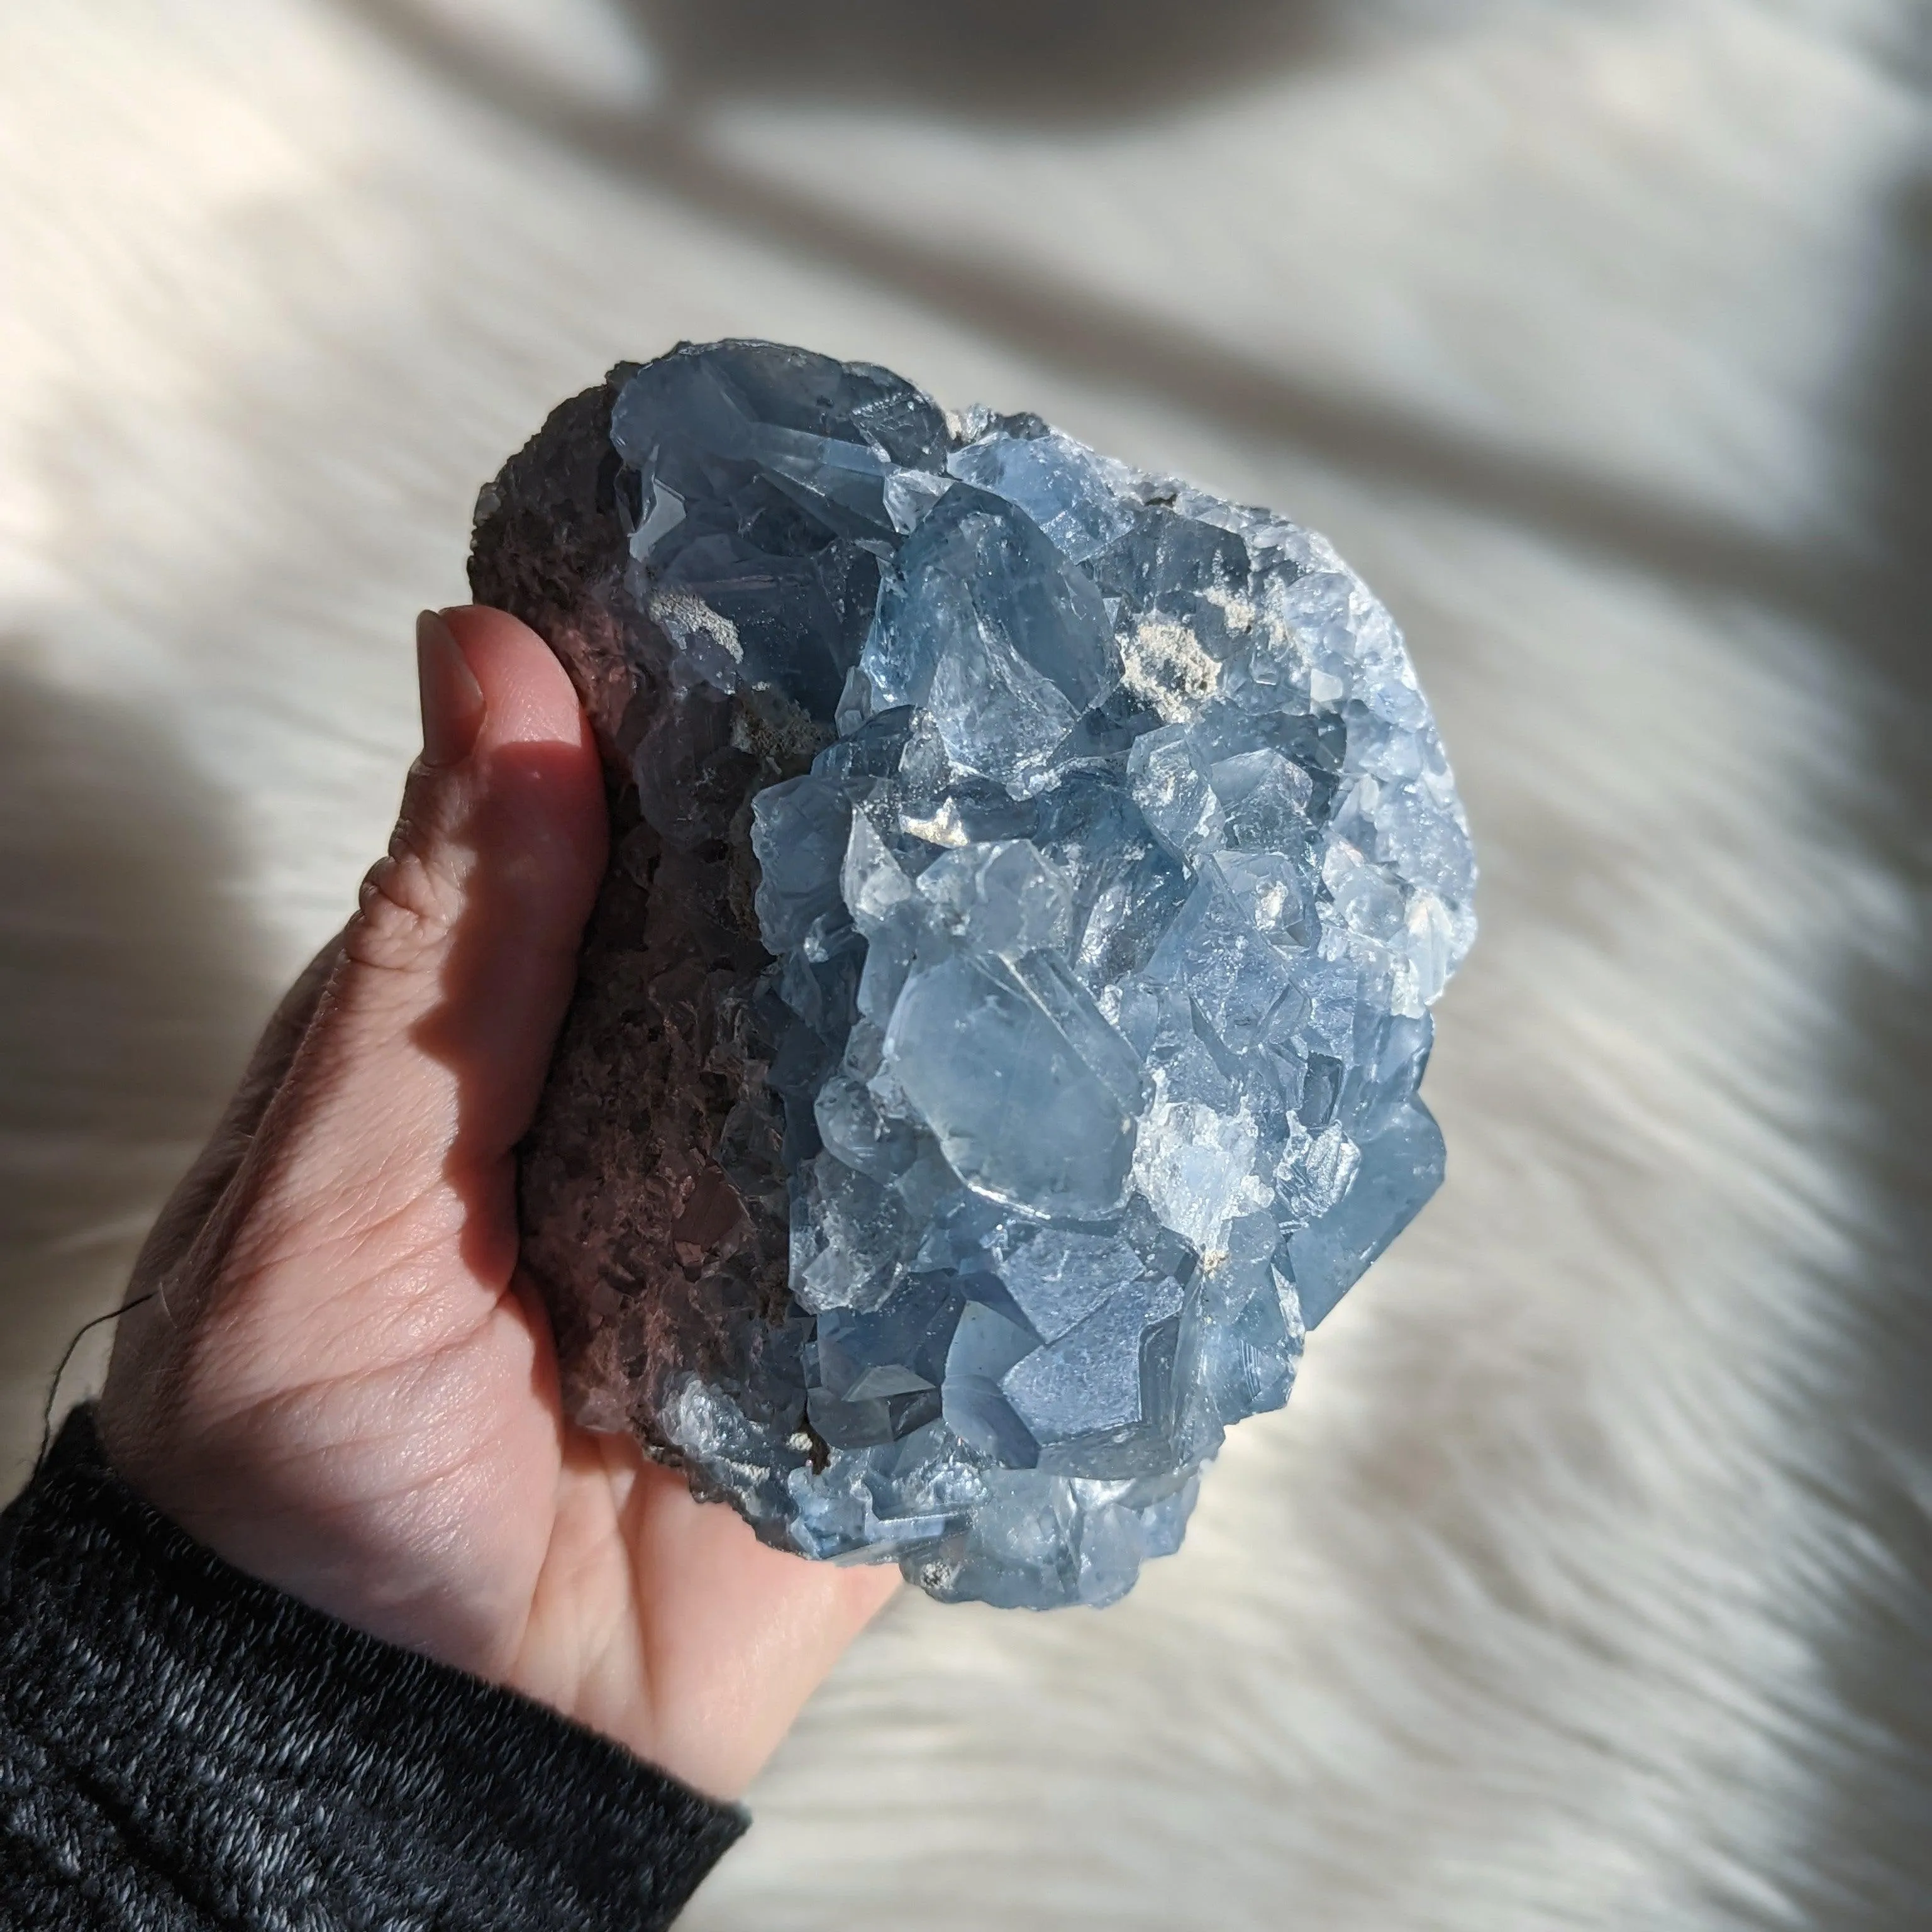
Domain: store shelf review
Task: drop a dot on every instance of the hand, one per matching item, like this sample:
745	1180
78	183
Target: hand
341	1383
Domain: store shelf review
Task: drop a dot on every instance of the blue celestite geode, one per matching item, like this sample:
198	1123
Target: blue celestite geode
998	1035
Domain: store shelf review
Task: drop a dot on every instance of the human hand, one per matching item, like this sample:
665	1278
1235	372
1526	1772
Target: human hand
342	1384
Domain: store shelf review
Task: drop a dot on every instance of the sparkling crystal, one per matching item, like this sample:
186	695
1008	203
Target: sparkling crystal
998	1035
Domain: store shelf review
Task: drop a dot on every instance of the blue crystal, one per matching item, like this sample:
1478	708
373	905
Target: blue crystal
1041	873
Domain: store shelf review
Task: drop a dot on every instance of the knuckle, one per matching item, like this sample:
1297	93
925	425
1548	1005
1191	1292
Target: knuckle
409	901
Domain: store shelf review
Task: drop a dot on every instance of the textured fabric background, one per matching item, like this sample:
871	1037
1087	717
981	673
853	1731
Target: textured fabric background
1587	1581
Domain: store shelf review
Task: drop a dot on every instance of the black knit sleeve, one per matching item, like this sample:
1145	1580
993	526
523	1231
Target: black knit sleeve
182	1747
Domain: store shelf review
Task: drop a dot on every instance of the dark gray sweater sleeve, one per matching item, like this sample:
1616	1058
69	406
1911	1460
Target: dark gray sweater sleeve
183	1746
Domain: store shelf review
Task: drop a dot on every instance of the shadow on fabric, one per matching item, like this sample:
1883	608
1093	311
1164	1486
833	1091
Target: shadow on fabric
1061	325
1061	62
1873	1848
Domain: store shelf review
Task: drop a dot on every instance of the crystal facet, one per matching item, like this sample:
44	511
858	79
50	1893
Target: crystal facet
998	1035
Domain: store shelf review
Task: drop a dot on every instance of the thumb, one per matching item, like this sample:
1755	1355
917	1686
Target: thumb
429	1049
422	1065
457	969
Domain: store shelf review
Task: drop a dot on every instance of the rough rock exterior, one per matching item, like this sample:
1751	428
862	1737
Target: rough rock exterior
998	1035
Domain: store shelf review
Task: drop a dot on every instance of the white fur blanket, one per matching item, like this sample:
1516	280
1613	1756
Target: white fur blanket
1587	1581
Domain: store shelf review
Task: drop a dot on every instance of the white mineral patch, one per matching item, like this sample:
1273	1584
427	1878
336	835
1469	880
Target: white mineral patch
1162	664
706	640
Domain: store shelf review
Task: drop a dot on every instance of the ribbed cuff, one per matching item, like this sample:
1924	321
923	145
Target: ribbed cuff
181	1745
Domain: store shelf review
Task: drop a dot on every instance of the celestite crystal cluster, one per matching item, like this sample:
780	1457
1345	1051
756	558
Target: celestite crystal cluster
998	1036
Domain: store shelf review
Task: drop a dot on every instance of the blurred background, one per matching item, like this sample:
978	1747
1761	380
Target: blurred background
1587	1581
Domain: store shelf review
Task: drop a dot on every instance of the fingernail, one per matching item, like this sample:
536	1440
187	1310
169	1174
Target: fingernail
452	700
